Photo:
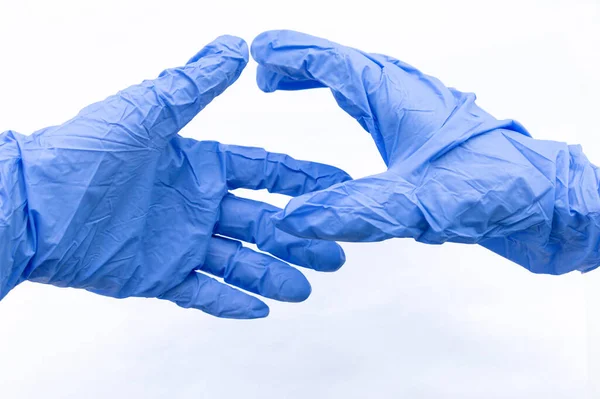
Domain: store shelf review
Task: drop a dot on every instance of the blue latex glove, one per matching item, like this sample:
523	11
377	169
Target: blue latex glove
114	202
455	173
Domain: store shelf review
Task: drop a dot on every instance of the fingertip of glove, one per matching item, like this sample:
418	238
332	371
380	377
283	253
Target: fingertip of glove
322	255
295	289
278	220
285	220
266	80
261	43
254	309
259	311
236	45
328	175
341	176
341	258
328	256
225	46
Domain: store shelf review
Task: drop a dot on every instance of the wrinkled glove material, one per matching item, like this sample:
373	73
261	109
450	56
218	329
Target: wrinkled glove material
455	173
115	202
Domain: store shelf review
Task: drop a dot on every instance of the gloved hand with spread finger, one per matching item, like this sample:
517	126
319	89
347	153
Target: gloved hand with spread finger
455	173
115	202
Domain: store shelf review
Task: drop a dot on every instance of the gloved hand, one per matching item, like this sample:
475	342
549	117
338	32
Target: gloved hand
455	173
114	202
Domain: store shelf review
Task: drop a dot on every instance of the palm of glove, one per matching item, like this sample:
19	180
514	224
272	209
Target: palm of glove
455	173
121	206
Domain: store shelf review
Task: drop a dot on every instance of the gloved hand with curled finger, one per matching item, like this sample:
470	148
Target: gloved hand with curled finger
454	172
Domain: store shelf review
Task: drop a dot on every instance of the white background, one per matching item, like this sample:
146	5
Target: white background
401	319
